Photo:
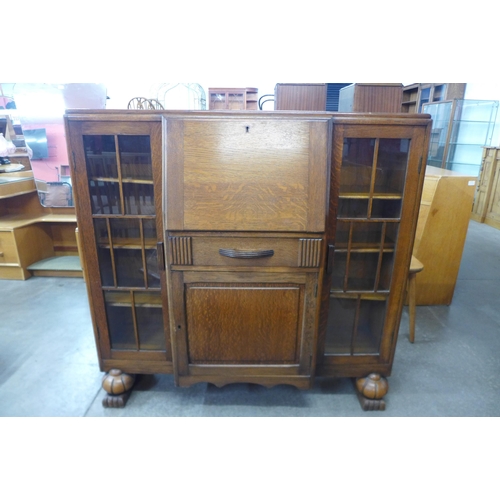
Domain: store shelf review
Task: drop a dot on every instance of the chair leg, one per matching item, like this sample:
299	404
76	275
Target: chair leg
412	290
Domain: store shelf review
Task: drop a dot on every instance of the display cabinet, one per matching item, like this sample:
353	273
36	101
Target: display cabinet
281	254
460	130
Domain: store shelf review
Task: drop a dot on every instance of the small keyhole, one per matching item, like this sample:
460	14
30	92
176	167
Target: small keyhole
248	129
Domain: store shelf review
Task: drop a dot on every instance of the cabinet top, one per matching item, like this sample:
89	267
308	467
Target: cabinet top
157	115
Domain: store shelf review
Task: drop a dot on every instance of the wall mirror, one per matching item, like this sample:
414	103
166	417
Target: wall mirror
39	110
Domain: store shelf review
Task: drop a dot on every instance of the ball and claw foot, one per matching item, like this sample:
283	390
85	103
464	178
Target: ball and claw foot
371	390
118	386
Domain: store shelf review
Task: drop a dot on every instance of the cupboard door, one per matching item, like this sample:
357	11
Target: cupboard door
378	187
243	323
118	177
244	327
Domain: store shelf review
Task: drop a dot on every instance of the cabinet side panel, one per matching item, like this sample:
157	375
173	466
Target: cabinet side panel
442	240
174	189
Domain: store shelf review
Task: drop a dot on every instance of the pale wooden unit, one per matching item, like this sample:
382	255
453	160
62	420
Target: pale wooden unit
230	247
487	200
441	230
29	232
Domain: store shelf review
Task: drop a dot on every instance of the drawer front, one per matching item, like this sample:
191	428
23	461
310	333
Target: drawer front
245	252
8	251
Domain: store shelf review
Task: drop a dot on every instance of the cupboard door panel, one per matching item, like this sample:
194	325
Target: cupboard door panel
243	324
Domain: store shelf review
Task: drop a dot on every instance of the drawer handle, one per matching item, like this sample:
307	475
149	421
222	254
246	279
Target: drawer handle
245	254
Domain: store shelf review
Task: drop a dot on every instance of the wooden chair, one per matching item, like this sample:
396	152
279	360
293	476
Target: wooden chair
415	267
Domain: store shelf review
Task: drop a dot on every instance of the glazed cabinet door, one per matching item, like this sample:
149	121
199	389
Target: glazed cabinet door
117	177
377	186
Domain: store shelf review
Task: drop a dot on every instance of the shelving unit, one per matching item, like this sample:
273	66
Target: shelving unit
418	94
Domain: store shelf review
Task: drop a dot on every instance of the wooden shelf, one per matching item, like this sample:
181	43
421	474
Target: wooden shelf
67	266
367	196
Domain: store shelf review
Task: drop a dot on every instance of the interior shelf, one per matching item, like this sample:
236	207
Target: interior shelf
66	265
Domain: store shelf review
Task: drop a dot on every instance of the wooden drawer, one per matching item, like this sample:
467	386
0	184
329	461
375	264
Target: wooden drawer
8	250
245	251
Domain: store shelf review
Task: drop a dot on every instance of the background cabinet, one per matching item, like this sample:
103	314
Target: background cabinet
371	97
307	96
300	96
233	98
418	94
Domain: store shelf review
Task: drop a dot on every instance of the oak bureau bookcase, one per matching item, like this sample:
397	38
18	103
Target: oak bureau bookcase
239	246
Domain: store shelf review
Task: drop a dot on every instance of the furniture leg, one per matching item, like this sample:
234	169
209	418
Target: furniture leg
118	386
371	390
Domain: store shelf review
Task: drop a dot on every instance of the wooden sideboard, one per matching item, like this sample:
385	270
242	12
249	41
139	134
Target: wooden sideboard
230	247
441	231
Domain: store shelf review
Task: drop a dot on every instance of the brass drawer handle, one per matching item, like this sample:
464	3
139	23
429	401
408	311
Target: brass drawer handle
245	254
